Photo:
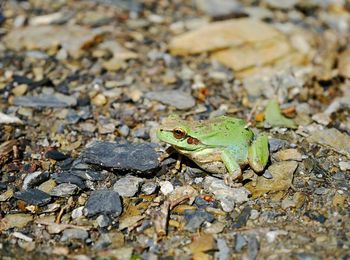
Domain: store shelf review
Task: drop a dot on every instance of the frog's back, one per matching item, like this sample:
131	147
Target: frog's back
226	131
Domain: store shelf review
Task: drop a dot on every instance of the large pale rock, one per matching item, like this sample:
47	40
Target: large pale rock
247	56
344	64
220	35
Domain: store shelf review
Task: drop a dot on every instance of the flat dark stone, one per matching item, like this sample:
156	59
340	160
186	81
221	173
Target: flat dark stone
195	218
103	202
67	177
138	158
56	155
33	197
243	217
90	175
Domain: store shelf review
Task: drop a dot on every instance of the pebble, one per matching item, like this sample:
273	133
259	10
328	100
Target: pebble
103	221
179	99
47	186
288	154
166	187
77	212
5	196
287	203
56	155
67	177
344	166
224	250
227	196
195	218
124	130
99	100
103	202
64	190
19	220
33	197
253	246
20	90
242	217
218	8
276	144
74	233
139	158
34	179
149	188
285	4
127	186
58	100
240	242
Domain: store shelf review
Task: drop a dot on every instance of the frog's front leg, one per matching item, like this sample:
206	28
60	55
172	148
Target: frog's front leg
234	170
258	153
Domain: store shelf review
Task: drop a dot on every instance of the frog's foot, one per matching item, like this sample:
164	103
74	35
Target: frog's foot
258	153
231	182
234	174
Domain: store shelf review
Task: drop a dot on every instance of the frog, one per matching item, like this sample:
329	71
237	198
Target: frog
222	145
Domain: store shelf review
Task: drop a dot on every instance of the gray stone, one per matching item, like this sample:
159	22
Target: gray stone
139	158
103	202
67	177
240	242
77	213
253	246
224	250
74	233
276	144
33	197
149	188
57	100
64	190
177	98
127	186
217	8
285	4
103	221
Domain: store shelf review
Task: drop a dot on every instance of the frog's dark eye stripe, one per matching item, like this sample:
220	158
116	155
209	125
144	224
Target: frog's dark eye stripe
179	133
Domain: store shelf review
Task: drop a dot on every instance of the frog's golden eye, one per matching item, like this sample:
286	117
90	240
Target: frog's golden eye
179	133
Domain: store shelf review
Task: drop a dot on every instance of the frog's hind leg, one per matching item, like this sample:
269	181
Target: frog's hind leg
234	170
258	153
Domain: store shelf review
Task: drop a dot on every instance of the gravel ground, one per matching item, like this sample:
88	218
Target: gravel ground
85	84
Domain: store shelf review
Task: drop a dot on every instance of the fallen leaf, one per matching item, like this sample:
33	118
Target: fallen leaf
274	117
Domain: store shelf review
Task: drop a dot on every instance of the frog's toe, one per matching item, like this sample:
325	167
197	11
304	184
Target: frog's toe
233	180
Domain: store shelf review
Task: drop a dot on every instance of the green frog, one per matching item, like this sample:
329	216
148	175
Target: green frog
222	145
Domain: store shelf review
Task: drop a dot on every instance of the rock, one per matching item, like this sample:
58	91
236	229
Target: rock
240	242
282	177
220	35
202	244
344	64
218	8
5	196
288	154
242	217
285	4
224	250
103	202
15	220
166	187
227	196
64	190
138	158
74	233
34	179
20	90
253	246
276	144
130	221
77	212
47	186
177	98
127	186
287	203
56	100
272	235
9	119
183	191
56	155
72	38
248	56
195	218
99	100
33	197
119	52
68	177
333	139
344	166
149	188
103	221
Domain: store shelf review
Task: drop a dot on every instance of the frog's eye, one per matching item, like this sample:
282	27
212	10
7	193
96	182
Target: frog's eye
179	133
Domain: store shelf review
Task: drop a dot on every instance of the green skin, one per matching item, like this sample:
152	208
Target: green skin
221	145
